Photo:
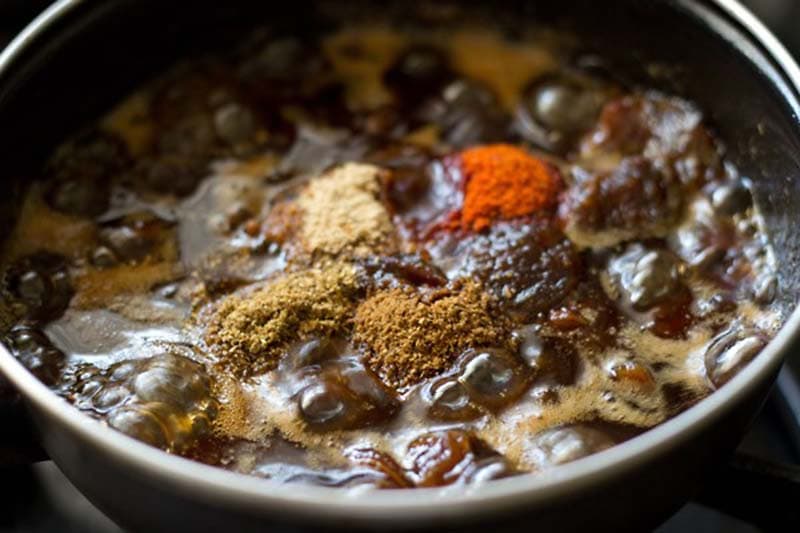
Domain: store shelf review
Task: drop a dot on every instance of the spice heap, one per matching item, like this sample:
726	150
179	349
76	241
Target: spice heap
250	331
342	213
412	335
504	182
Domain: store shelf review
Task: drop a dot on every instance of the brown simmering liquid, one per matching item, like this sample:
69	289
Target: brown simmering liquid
248	262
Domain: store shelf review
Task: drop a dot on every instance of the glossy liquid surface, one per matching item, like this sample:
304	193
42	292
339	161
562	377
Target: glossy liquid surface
645	286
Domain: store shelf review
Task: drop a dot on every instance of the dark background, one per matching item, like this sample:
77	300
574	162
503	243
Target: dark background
39	499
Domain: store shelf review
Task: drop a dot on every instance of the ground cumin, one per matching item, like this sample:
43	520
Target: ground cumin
342	213
504	182
249	331
411	335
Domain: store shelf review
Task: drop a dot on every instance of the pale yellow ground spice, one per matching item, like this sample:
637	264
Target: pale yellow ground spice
342	213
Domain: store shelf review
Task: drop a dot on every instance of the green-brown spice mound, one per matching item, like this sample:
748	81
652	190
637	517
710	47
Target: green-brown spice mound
250	332
412	335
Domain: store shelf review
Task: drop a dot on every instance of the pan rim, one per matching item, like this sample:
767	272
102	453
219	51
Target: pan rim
240	491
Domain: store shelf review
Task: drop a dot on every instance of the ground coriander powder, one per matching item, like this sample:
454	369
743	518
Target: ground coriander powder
249	330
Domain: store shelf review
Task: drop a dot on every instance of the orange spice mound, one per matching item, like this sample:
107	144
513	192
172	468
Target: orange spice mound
504	182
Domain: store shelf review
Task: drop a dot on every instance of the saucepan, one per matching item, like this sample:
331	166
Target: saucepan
80	56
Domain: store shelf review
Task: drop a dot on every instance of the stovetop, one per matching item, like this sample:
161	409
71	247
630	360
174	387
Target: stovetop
38	498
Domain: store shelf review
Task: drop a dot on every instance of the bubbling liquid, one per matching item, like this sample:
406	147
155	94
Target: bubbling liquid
259	261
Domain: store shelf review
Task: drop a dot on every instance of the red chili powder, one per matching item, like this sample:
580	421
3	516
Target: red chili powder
504	182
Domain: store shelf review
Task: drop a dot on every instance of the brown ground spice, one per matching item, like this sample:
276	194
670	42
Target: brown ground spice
342	213
413	335
249	331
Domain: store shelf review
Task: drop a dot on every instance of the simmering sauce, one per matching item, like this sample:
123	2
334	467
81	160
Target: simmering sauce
389	258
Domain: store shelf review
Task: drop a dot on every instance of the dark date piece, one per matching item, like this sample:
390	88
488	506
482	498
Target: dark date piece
585	318
343	394
34	350
652	290
467	113
449	457
419	73
41	284
666	130
557	108
484	381
80	174
380	468
528	266
635	200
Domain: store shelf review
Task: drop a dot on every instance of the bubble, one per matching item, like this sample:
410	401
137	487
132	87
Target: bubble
493	378
729	352
166	400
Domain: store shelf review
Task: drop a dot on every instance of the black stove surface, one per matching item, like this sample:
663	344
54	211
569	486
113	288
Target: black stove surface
39	499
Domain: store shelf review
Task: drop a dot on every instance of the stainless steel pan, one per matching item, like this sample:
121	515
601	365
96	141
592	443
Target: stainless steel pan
80	55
